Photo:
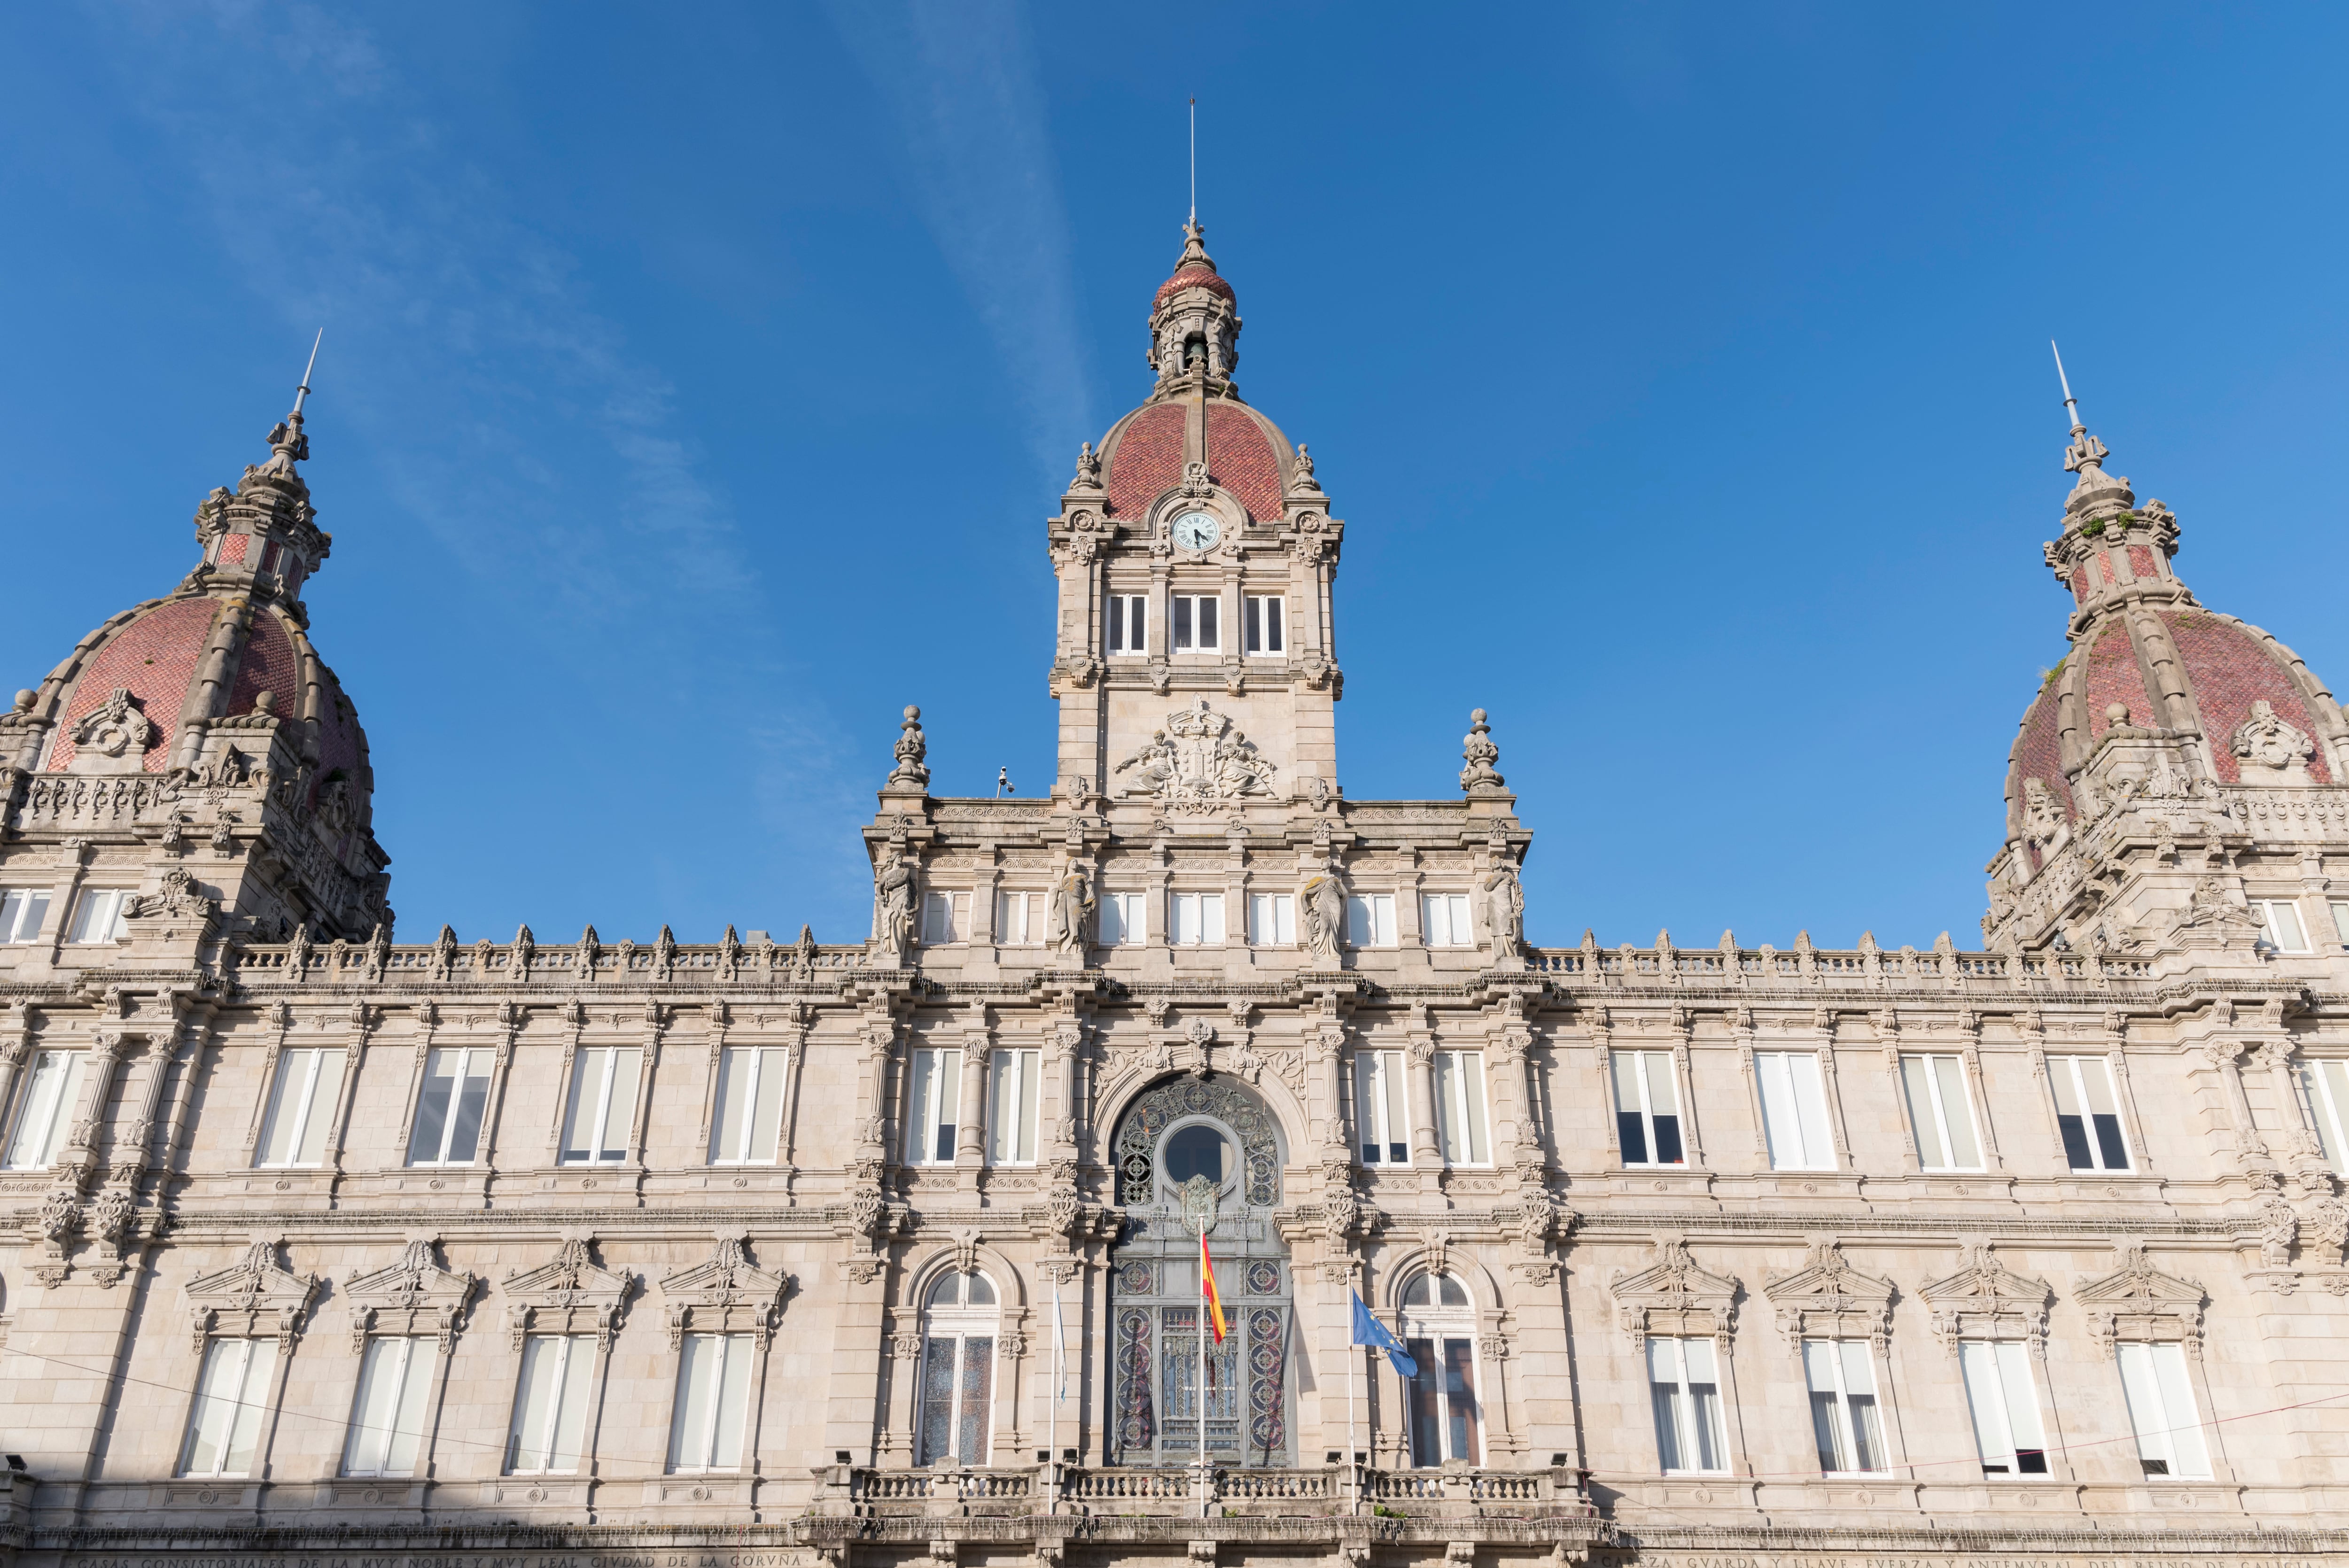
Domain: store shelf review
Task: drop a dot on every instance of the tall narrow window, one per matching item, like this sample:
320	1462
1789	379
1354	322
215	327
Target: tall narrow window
749	1105
1443	920
44	1107
2005	1406
1460	1107
301	1107
1794	1110
1439	1330
1272	919
225	1424
1198	919
1196	631
449	1107
550	1413
2281	919
959	1318
2161	1410
1121	919
1129	623
2326	1081
1380	1124
713	1396
1941	1112
946	917
388	1414
603	1108
1686	1394
2341	922
23	912
1267	625
2087	1115
1011	1107
930	1102
98	915
1019	919
1843	1405
1647	1107
1370	919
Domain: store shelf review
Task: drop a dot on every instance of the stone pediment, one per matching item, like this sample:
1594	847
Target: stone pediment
1676	1296
2139	1302
1198	763
1987	1300
725	1295
569	1296
253	1298
1826	1298
414	1296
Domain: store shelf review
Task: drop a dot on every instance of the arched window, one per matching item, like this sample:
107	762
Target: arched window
1439	1329
959	1318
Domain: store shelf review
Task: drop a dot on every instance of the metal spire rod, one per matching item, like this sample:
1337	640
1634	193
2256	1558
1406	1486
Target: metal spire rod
304	391
2071	403
1194	160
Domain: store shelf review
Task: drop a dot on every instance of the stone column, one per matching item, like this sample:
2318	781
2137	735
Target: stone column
1426	1152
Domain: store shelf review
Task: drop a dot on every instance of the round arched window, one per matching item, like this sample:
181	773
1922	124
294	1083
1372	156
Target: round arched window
1200	1150
958	1334
1439	1327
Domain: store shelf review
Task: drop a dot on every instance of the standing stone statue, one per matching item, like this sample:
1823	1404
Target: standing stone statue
1073	907
1505	910
1322	906
893	908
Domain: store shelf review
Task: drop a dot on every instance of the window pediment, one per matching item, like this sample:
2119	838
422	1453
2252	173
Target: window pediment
2139	1303
414	1296
1827	1298
253	1298
1986	1300
569	1296
727	1294
1674	1297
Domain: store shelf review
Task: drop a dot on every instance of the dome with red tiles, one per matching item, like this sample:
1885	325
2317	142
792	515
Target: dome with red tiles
1144	455
1194	275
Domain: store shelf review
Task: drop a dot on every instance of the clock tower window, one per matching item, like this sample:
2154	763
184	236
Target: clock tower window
1196	629
1265	625
1129	623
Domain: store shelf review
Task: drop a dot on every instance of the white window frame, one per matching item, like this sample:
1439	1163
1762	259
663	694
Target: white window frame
100	908
23	912
1462	1106
1643	1065
1797	1139
370	1448
1185	615
959	1323
737	1358
1380	1085
933	1103
2273	913
2325	1081
1264	625
604	1063
568	1352
1937	1103
1436	1326
2072	1073
946	917
312	1113
1842	1431
1019	919
1194	918
38	1129
1991	1370
1374	910
744	1075
1127	635
1276	911
1706	1422
1123	920
1015	1076
2163	1411
1445	920
464	1058
2341	922
235	1412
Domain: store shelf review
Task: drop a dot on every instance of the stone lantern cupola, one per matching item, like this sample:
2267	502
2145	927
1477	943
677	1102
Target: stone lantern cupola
1194	322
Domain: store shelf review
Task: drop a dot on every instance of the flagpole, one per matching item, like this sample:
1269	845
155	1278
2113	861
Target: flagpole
1204	1265
1353	1474
1052	1409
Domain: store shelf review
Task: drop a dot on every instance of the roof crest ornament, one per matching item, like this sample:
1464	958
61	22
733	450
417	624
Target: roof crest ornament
2086	456
287	444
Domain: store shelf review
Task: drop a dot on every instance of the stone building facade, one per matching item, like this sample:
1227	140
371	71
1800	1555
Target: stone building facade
631	1251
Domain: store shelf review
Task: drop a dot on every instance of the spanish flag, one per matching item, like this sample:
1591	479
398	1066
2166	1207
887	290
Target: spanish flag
1207	1292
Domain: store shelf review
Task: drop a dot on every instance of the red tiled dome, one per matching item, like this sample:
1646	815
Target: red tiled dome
1194	275
2230	665
1247	455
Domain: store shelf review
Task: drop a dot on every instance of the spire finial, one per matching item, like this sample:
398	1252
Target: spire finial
287	444
2086	456
1195	163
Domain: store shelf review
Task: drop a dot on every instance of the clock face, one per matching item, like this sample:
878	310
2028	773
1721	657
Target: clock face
1197	531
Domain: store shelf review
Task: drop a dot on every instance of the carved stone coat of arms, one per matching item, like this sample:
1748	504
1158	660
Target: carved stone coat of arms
1197	762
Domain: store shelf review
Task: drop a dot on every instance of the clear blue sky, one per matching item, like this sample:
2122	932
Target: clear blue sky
696	381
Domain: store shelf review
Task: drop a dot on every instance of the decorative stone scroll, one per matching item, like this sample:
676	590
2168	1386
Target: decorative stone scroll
2270	752
570	1295
112	738
1675	1296
413	1296
1198	763
253	1298
2139	1303
1986	1300
725	1295
1826	1298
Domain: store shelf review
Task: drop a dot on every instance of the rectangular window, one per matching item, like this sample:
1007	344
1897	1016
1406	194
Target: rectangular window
1647	1107
957	1380
23	912
713	1395
301	1107
930	1102
2280	916
97	915
2005	1406
946	917
1122	921
1443	1424
1941	1112
603	1109
1011	1107
449	1109
1019	919
2161	1409
1195	623
1198	919
1795	1111
225	1423
1380	1124
750	1116
1129	623
1460	1107
550	1413
1687	1397
1370	919
2326	1081
2341	924
1267	625
1272	919
1843	1406
2086	1113
387	1415
1443	920
45	1109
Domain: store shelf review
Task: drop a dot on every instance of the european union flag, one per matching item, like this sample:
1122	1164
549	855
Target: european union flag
1369	1330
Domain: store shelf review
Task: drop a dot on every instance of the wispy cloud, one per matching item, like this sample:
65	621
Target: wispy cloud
962	85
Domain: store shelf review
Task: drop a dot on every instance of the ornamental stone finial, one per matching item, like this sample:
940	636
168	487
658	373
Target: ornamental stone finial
1477	748
910	773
